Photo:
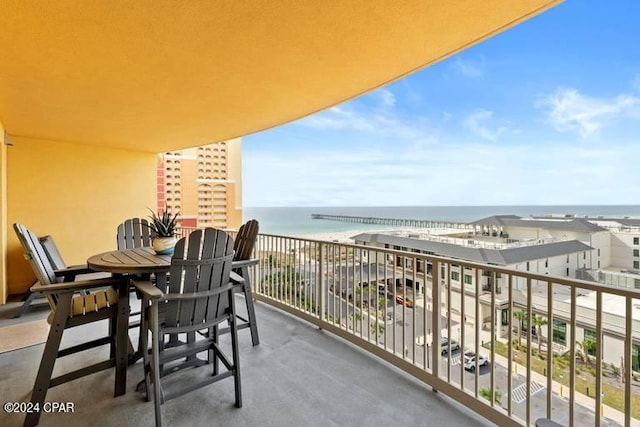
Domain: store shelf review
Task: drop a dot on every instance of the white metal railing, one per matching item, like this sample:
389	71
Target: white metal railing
397	304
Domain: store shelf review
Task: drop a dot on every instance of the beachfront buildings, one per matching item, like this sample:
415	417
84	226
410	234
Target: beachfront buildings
604	250
204	184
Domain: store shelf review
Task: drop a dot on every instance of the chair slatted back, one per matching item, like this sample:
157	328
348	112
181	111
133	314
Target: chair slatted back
201	263
134	233
37	257
53	254
246	240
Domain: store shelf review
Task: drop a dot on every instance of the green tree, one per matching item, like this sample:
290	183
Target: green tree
586	346
520	317
539	322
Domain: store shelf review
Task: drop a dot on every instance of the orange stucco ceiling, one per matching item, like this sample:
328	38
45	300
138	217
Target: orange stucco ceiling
166	74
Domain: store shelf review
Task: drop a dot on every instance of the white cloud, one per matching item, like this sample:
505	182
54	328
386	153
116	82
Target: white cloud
442	174
374	123
482	124
387	98
571	111
470	68
366	153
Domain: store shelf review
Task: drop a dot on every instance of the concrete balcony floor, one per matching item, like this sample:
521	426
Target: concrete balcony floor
297	376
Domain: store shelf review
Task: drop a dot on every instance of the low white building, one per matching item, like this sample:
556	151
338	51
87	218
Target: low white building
606	250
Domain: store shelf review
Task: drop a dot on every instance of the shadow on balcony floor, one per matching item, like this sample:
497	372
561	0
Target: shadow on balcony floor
297	376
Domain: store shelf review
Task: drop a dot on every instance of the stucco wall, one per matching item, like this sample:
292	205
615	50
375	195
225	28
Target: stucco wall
76	193
3	217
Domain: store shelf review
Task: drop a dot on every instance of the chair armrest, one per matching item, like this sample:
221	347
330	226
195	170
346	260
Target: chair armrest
72	271
197	295
148	289
80	285
244	263
236	279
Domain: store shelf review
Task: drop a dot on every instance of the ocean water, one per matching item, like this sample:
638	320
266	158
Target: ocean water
297	220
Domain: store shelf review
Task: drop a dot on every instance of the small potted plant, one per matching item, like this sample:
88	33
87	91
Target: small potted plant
163	230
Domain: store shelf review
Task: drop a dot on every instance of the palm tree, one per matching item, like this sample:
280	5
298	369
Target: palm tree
539	322
520	316
586	346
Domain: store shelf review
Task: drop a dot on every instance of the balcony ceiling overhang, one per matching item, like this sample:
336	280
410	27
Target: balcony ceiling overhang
162	75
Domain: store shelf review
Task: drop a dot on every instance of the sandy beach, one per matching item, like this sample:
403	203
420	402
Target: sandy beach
332	236
345	236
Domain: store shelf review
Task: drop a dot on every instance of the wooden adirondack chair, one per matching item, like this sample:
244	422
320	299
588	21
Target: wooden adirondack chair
70	309
134	233
199	297
61	270
243	247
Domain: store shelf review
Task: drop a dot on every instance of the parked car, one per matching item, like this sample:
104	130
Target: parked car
470	360
400	300
444	345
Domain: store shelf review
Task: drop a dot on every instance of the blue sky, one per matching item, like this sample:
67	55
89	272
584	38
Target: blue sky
546	113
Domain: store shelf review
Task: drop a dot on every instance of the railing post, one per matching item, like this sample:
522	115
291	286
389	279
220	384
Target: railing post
435	319
322	283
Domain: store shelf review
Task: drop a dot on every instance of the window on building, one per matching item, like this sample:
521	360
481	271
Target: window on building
598	252
636	252
559	332
468	279
590	335
504	317
635	357
546	263
636	240
527	265
636	265
567	258
584	255
567	271
455	275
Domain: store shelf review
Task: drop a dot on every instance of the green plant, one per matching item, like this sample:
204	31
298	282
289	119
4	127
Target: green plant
163	225
486	393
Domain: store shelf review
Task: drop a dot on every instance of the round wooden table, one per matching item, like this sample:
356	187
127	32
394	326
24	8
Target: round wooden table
130	261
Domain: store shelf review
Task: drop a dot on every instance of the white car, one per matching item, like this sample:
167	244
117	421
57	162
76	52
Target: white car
444	346
470	360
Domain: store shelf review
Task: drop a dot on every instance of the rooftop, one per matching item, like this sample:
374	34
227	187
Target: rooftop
565	223
479	254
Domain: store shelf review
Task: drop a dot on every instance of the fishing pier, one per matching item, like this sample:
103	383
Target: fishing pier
395	222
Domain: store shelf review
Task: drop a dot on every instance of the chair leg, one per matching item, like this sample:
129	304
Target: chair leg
43	378
143	343
214	334
26	304
122	339
235	351
112	334
251	313
155	364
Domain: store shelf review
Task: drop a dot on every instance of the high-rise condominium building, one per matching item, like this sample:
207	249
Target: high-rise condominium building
204	184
